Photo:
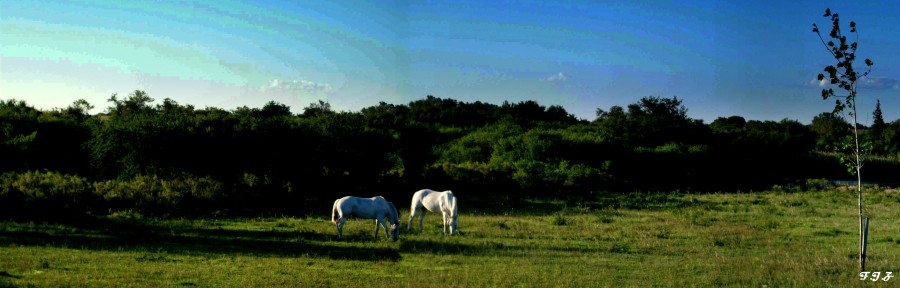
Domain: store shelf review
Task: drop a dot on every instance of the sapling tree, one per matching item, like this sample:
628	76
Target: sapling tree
845	77
876	131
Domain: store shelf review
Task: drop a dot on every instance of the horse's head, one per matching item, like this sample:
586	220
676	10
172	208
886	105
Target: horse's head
394	218
454	215
395	230
453	221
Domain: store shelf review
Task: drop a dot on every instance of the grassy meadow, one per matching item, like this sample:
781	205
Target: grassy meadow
765	239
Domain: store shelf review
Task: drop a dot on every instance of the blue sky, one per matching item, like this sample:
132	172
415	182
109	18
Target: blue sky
722	58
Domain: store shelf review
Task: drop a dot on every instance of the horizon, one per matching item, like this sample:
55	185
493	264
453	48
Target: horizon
298	112
754	60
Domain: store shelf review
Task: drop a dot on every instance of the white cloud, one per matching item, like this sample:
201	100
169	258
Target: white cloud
298	86
274	83
874	83
879	83
820	83
556	78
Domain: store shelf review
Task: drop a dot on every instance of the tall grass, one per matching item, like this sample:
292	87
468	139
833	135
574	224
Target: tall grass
770	239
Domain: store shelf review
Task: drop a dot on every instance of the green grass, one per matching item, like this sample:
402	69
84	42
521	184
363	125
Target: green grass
768	239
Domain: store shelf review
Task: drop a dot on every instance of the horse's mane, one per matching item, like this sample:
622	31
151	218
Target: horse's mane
453	207
396	213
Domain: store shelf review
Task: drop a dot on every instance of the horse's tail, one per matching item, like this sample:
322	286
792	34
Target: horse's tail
334	214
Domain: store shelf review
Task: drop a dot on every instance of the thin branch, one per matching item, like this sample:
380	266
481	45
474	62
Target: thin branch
823	43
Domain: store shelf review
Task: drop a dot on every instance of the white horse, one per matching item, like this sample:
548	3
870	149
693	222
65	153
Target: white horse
367	208
437	202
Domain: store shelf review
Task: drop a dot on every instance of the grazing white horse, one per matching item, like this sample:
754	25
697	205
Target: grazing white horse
367	208
437	202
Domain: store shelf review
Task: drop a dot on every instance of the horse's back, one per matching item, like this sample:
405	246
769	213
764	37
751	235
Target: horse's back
419	198
432	200
363	207
351	205
342	200
427	193
419	195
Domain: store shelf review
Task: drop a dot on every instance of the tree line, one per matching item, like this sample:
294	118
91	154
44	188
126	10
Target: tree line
171	158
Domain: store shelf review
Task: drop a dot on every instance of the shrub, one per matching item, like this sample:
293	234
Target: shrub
154	194
818	184
559	219
44	192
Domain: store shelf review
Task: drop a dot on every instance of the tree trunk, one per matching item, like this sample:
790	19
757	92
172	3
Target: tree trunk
858	166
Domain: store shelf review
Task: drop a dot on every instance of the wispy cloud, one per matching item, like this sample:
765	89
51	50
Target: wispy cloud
298	86
874	83
879	83
559	77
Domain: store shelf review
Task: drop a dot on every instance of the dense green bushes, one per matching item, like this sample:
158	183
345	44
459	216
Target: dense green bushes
35	194
156	194
48	194
176	159
537	160
44	188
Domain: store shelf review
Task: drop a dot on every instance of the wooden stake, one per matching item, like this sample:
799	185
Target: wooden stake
862	260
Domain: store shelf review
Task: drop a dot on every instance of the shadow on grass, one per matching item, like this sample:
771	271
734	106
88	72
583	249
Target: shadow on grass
486	248
5	279
644	201
441	247
591	201
113	236
435	247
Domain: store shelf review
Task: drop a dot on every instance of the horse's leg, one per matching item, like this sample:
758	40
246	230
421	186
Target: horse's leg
340	227
412	215
387	233
422	218
446	221
377	221
380	221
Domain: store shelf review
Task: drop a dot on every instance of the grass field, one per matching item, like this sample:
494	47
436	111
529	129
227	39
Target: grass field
768	239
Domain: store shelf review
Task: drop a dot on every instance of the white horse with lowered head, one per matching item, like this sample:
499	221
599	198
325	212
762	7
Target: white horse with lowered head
437	202
367	208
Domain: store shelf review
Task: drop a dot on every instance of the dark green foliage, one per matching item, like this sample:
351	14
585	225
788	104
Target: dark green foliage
830	129
892	138
538	160
32	139
153	194
877	133
651	122
313	110
171	158
878	118
44	194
